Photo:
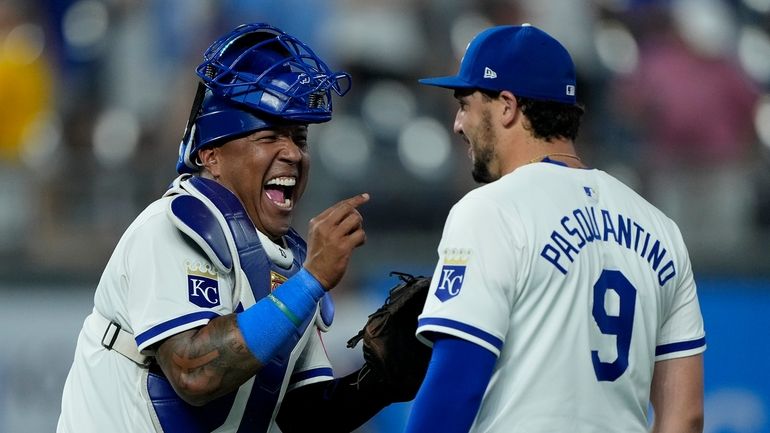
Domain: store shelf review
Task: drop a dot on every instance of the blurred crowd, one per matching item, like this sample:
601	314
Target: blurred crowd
94	96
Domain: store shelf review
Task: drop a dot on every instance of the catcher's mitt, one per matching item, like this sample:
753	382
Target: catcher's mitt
393	355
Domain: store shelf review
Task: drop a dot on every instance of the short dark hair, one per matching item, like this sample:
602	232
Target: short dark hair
548	119
551	120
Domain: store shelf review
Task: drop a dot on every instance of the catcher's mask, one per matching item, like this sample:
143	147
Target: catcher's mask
255	77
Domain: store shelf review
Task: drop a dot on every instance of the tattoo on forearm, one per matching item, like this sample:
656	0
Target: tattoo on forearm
214	356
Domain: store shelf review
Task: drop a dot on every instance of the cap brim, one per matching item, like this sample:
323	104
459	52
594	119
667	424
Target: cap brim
451	82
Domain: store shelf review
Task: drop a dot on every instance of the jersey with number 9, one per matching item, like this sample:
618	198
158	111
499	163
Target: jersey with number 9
577	290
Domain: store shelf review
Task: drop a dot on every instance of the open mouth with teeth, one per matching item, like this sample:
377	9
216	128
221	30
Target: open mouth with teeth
280	191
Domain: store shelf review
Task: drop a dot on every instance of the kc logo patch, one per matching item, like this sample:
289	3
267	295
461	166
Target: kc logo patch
453	273
451	282
202	286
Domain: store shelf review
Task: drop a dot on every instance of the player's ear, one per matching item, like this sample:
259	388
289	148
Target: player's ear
209	158
510	107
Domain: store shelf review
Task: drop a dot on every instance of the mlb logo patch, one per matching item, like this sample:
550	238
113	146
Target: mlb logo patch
202	286
591	193
450	282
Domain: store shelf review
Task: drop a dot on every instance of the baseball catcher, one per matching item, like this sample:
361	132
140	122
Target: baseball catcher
210	313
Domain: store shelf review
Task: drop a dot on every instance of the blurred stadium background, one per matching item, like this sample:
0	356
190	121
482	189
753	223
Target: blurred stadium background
94	95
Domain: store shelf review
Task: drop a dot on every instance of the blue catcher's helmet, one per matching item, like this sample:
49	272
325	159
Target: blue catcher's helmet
255	77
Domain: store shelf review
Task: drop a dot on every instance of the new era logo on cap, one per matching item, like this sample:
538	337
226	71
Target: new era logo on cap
570	90
488	73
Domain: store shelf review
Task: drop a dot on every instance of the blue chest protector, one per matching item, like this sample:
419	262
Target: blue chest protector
200	223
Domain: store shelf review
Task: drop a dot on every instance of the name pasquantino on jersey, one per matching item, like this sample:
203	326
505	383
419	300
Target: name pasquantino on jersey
582	227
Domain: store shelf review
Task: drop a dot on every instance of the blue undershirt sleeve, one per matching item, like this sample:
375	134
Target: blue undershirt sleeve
267	325
450	396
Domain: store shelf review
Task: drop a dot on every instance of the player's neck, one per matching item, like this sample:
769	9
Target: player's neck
517	147
562	151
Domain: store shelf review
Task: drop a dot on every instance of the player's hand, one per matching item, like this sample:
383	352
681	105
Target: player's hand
332	236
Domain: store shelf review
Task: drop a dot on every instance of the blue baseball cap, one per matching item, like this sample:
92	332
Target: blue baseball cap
522	59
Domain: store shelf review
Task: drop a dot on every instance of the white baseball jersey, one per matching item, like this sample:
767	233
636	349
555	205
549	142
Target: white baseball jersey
155	285
578	285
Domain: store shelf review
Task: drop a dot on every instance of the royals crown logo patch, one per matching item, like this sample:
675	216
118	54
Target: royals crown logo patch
202	285
452	273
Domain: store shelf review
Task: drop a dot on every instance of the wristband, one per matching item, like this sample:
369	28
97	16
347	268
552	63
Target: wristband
268	325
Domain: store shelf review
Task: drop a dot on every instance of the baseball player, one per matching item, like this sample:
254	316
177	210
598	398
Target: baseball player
208	313
562	300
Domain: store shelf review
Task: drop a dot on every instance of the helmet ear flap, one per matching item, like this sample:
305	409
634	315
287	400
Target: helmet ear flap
197	159
186	147
218	120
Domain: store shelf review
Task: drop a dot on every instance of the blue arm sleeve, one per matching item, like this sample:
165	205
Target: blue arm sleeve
450	396
269	323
